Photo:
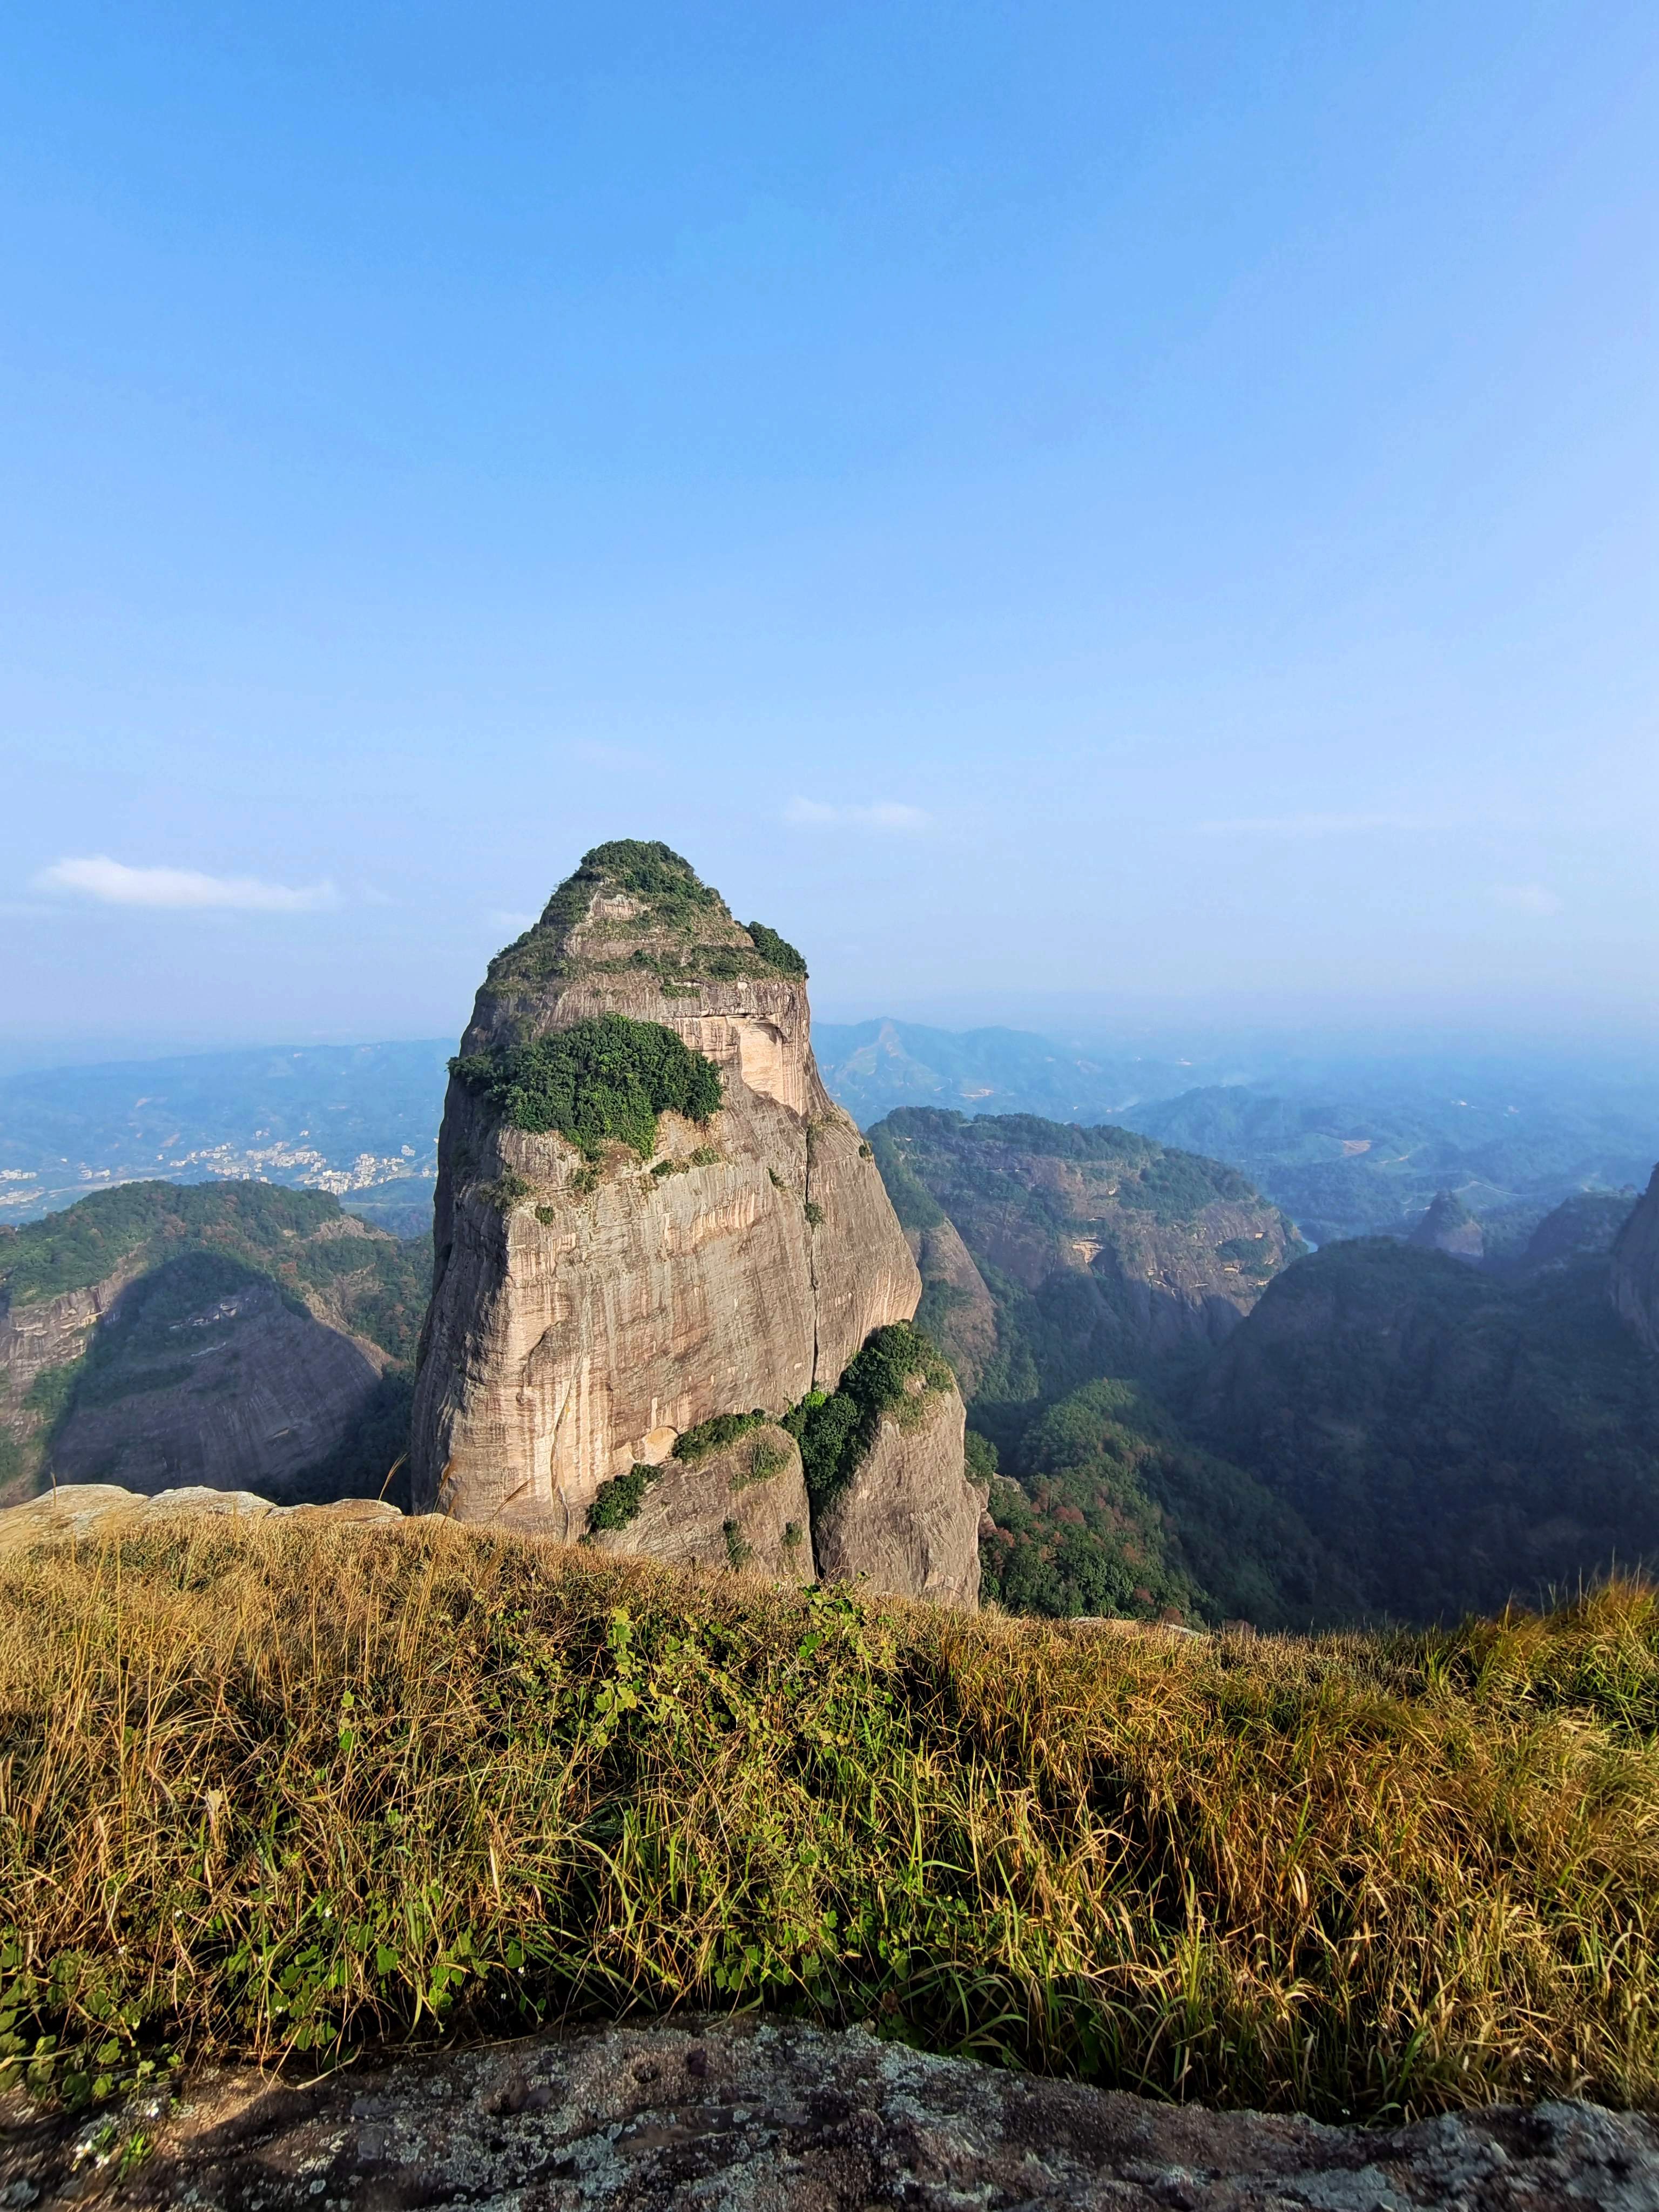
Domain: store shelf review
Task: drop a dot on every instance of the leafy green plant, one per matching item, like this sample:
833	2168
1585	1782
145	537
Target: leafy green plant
896	1375
617	1502
705	1156
506	1191
715	1435
767	1457
739	1550
979	1457
814	1213
777	952
601	1081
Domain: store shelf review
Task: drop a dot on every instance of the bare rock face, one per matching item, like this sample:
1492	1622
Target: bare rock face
1450	1227
957	1309
744	1507
590	1306
81	1510
758	2117
908	1517
37	1342
243	1391
1635	1280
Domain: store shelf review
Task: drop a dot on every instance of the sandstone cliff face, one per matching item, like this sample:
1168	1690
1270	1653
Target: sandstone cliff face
908	1518
744	1507
240	1392
35	1341
587	1313
1635	1280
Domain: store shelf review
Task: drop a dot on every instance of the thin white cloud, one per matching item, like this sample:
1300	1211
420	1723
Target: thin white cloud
113	883
1526	898
1320	825
885	814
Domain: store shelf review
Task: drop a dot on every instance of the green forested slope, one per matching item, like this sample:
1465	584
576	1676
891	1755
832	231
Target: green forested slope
231	1312
1452	1439
1380	1429
1108	1261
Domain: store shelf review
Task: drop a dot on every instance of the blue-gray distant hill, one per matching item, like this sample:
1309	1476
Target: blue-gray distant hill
1355	1161
872	1067
1348	1147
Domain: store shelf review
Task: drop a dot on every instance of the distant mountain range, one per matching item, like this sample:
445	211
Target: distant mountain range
1346	1148
1189	1414
872	1067
1351	1164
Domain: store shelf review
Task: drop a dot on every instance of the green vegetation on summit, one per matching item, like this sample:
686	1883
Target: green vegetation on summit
601	1081
281	1790
689	933
777	952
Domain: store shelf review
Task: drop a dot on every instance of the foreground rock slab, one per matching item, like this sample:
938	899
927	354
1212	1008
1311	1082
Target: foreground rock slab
96	1509
739	2117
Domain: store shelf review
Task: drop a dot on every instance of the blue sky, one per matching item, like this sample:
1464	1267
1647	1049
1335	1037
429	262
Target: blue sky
1111	514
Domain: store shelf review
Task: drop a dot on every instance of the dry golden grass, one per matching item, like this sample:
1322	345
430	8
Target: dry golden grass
284	1787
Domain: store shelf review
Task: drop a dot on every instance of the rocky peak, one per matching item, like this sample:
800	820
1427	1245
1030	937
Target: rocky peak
636	931
1584	1226
1448	1227
649	1215
1127	1247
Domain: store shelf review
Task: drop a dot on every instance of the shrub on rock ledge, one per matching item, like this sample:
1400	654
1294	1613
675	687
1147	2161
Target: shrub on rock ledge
599	1082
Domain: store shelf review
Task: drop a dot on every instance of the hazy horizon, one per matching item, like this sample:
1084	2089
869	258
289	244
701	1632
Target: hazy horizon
1107	519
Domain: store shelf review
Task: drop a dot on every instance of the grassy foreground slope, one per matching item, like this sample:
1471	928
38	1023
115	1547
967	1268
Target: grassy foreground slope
275	1789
